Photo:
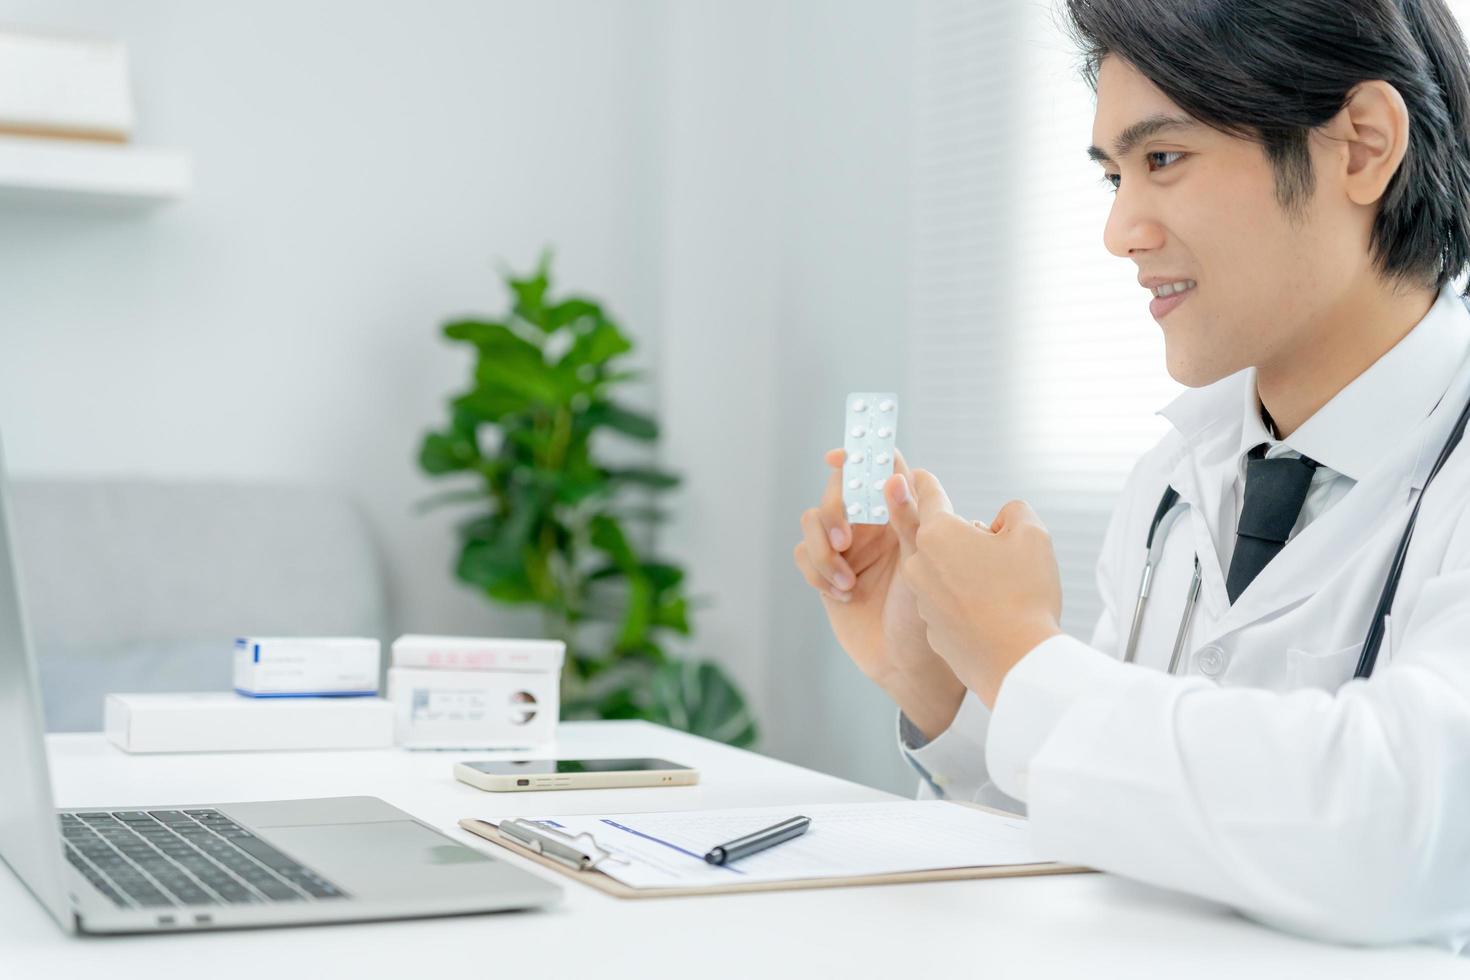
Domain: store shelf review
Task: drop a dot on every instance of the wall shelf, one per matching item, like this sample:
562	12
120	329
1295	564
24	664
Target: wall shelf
72	173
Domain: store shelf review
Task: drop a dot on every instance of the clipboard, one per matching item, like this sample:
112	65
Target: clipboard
582	867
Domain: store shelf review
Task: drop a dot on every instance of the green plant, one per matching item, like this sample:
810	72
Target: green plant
551	527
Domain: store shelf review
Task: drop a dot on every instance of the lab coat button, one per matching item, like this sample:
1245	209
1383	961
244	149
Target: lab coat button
1211	661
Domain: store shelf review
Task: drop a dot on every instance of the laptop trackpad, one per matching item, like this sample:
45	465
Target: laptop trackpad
397	858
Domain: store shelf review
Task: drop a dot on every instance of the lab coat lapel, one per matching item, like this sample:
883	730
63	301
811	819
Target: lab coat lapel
1208	420
1324	548
1198	482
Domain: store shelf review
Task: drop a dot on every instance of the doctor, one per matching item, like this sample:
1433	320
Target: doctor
1292	184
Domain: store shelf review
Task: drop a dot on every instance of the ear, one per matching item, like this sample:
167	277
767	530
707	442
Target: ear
1372	130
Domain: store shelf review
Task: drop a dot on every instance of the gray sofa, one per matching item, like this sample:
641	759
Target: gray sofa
142	586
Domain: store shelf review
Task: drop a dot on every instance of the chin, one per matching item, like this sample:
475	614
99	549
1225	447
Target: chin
1193	372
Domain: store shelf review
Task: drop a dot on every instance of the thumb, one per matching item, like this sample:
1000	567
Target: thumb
903	512
931	497
1013	513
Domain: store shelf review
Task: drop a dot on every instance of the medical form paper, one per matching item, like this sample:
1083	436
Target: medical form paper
656	850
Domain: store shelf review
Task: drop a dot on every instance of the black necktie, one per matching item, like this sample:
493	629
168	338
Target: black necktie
1275	490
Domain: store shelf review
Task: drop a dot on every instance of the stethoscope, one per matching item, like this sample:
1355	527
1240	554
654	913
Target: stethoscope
1169	510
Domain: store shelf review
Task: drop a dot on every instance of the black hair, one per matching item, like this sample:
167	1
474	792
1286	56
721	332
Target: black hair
1273	70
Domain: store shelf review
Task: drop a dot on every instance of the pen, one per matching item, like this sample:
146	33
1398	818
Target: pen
580	852
758	841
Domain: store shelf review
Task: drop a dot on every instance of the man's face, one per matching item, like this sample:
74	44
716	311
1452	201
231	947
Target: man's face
1194	204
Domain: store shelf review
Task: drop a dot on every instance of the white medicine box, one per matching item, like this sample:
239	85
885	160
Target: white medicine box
454	692
306	666
218	721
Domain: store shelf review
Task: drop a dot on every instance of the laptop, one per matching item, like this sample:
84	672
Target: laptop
218	865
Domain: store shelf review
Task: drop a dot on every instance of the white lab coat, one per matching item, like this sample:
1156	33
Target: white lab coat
1264	776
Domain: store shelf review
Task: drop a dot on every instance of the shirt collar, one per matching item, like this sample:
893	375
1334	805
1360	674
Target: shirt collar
1363	421
1198	411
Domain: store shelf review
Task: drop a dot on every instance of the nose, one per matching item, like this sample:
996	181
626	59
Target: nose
1130	227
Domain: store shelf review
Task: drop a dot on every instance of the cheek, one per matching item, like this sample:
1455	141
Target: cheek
1254	270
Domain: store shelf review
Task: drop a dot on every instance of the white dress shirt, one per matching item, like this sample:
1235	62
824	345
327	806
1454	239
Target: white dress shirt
1265	776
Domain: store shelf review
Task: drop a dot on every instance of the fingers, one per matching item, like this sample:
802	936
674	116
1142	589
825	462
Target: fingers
814	578
833	514
1014	513
932	500
825	561
900	465
903	512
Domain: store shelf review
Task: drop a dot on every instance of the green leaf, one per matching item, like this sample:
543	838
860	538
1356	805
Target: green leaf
608	537
612	378
673	614
497	569
530	294
620	419
693	696
512	591
636	614
494	557
521	372
481	527
662	575
469	495
569	311
573	490
447	452
489	405
597	346
654	515
645	476
697	697
489	337
603	572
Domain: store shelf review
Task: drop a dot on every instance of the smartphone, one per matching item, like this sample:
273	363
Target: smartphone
514	775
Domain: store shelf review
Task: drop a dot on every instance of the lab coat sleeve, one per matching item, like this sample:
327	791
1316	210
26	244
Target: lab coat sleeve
952	764
1105	632
1338	816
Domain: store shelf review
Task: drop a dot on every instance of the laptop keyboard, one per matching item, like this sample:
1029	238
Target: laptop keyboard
154	858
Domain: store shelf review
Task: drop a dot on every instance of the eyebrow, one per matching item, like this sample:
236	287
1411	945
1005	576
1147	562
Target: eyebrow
1138	132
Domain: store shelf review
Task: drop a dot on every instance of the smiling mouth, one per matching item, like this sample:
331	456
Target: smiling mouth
1170	288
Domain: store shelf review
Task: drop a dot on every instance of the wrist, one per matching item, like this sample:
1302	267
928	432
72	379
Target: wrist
930	698
1009	650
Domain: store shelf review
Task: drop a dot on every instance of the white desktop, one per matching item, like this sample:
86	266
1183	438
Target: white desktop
1092	925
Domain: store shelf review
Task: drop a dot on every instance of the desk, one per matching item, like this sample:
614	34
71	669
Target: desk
1064	926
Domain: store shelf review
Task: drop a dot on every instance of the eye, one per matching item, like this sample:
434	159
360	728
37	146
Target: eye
1174	155
1157	160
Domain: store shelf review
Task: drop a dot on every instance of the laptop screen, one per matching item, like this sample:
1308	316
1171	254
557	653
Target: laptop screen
29	840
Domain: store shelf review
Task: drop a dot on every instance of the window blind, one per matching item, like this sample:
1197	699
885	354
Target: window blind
1035	368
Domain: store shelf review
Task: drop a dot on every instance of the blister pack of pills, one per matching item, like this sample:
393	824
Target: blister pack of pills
869	434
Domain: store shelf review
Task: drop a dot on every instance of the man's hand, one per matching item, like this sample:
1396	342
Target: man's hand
854	568
988	595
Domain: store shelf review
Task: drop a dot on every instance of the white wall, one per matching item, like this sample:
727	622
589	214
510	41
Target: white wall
361	171
731	176
788	130
725	221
